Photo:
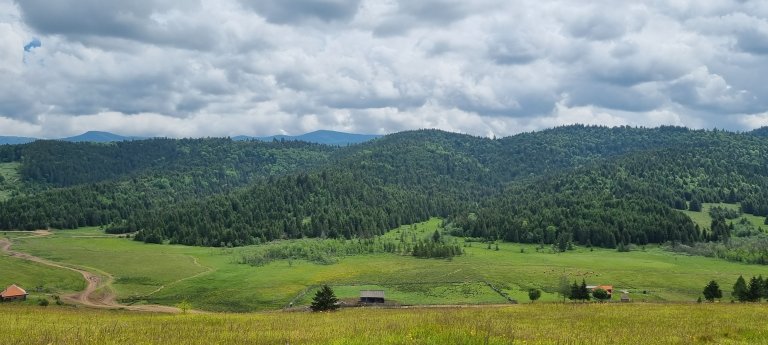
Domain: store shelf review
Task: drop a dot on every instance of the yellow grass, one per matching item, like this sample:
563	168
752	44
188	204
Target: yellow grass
520	324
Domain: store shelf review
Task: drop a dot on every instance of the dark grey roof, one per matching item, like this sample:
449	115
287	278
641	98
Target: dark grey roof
372	293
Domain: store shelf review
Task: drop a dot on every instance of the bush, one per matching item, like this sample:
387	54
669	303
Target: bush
601	295
534	294
43	302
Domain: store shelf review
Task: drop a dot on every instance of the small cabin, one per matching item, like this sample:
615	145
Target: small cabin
13	293
372	296
607	288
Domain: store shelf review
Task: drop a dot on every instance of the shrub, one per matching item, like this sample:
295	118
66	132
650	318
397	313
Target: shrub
534	294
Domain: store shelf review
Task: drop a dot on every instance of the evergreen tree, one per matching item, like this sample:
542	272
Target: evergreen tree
765	288
325	299
740	291
755	289
712	291
583	291
436	236
575	292
695	205
563	288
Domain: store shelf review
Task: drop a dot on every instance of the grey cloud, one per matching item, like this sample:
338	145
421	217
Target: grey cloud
597	27
287	12
612	97
753	41
413	14
139	20
513	51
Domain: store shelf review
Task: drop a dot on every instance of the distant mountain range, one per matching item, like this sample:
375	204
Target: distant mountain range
320	137
92	136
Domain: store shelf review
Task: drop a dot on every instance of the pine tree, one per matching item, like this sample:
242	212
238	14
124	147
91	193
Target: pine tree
740	291
695	205
563	289
325	299
575	291
712	291
765	287
755	290
583	291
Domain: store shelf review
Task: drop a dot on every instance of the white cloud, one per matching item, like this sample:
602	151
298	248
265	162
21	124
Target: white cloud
490	67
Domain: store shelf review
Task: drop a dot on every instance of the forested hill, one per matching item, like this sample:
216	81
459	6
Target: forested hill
762	131
594	185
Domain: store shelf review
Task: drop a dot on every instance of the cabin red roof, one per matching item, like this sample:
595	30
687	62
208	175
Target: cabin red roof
13	291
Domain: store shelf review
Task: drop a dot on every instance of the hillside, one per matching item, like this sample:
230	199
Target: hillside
592	185
762	131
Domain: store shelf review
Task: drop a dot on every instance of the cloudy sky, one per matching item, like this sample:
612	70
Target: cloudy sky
486	67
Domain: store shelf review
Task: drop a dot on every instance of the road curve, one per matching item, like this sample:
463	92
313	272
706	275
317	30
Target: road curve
88	297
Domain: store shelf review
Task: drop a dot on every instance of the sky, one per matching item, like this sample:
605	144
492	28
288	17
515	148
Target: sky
191	68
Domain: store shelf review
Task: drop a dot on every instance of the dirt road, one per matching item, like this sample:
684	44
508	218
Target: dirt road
97	293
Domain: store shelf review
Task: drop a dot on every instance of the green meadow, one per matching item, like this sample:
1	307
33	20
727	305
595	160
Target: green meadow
9	179
212	279
541	323
704	220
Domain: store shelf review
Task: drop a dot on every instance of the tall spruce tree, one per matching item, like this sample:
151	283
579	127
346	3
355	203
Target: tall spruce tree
575	291
325	299
712	291
740	291
755	289
583	291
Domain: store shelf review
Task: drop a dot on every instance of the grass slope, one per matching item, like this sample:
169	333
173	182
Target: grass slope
30	275
10	179
522	324
704	220
213	280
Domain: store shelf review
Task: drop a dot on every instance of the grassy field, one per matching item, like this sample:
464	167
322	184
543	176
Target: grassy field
704	220
32	275
10	174
211	278
554	323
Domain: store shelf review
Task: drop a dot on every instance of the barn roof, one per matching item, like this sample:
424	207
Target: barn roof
13	291
372	293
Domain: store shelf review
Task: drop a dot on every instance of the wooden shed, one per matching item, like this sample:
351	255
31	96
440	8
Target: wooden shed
13	293
372	296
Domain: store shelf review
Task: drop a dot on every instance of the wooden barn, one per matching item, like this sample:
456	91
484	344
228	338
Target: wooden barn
13	293
372	296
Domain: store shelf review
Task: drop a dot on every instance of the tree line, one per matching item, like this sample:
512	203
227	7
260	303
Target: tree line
589	185
753	291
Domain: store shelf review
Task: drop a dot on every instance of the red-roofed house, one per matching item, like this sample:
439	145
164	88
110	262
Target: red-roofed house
607	288
13	293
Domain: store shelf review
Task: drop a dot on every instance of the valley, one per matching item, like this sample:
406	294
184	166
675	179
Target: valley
450	227
212	279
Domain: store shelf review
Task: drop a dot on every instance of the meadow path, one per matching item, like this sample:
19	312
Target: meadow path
97	293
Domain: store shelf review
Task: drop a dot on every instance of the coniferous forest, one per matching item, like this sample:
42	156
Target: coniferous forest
588	185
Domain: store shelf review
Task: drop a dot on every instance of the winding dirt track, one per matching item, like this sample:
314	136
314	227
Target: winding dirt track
97	293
